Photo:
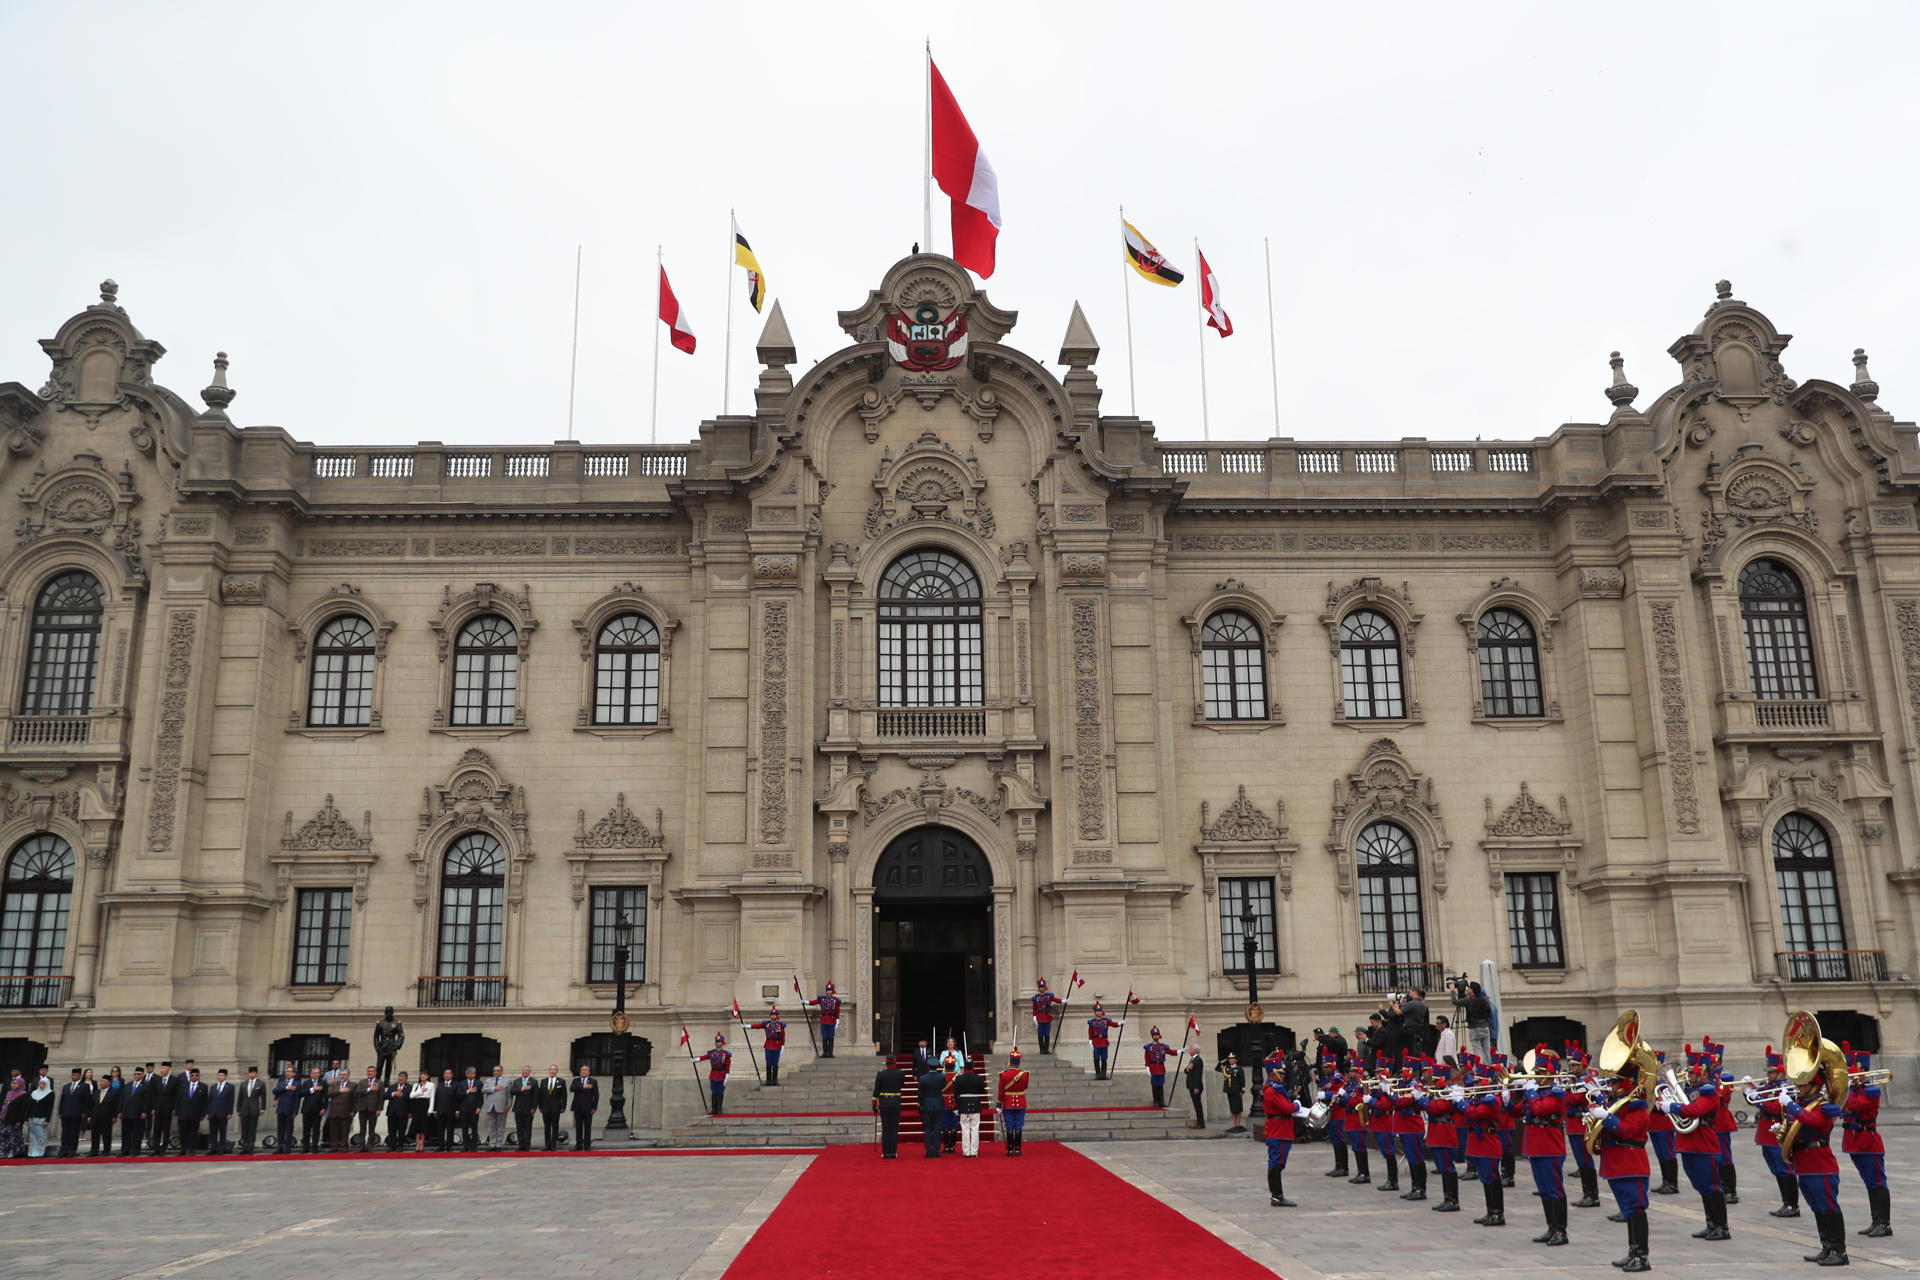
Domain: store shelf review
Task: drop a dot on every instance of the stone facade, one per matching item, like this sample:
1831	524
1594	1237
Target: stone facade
750	815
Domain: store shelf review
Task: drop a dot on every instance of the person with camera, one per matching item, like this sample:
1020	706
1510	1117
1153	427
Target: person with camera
1472	1007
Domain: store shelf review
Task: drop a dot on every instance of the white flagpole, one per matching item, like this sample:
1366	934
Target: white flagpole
659	269
926	175
1273	363
573	362
726	360
1126	287
1200	317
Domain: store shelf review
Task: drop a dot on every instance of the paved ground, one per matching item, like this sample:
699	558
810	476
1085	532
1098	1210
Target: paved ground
645	1217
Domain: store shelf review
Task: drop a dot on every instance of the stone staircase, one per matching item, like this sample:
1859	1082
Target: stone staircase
825	1101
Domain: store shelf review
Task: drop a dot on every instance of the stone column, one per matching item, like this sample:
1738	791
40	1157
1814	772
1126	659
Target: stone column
863	1028
839	901
1028	906
1003	973
87	910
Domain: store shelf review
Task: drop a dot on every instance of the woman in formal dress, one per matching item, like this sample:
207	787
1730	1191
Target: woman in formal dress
422	1107
13	1119
40	1101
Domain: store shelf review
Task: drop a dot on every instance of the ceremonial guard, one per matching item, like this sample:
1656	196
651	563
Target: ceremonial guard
888	1085
1811	1157
1543	1141
1623	1163
1044	1003
1767	1113
931	1085
1156	1054
1410	1128
776	1032
1699	1147
1333	1095
1353	1104
719	1063
1483	1147
970	1093
1097	1027
1725	1123
1277	1104
1233	1083
1863	1143
1660	1138
1380	1129
1442	1109
829	1019
1577	1096
1014	1083
949	1108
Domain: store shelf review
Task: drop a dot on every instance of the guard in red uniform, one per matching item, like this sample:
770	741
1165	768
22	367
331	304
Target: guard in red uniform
1578	1062
1013	1102
1353	1100
829	1019
1767	1138
1660	1138
719	1063
1044	1003
1623	1163
1410	1128
950	1108
1380	1128
1442	1136
1700	1149
1725	1123
1864	1144
1482	1112
1542	1112
1277	1104
1811	1158
776	1031
1156	1053
1097	1028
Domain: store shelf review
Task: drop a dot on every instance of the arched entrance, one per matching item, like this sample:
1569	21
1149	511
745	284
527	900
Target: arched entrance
933	939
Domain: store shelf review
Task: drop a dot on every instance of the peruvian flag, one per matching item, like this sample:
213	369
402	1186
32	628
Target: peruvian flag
1210	298
1076	980
965	174
680	333
736	1011
684	1038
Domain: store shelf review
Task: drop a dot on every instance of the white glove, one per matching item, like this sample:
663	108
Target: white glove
1596	1113
1671	1108
1458	1093
1420	1096
1506	1097
1531	1086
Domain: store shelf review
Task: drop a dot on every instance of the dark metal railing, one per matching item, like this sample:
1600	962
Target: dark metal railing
458	991
1378	979
1832	966
34	990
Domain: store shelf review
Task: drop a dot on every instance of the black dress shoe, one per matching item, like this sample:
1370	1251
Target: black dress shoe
1496	1220
1391	1184
1704	1232
1821	1257
1544	1236
1733	1197
1717	1234
1636	1264
1587	1202
1785	1211
1359	1178
1447	1206
1666	1189
1281	1202
1877	1230
1556	1239
1616	1217
1834	1260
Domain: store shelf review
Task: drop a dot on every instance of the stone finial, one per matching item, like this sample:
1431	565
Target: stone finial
1863	384
217	393
110	293
1723	291
1621	392
775	348
1079	349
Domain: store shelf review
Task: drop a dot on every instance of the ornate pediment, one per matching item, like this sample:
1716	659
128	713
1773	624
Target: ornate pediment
97	356
1753	491
621	829
1528	836
475	797
929	480
327	849
1527	818
328	829
1243	821
619	844
1386	788
82	499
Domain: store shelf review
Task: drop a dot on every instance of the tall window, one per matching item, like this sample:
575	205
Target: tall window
486	671
1773	607
1533	921
1370	667
1391	934
342	688
608	905
1233	667
1509	665
930	653
626	672
472	887
320	936
63	647
1235	896
1809	900
34	898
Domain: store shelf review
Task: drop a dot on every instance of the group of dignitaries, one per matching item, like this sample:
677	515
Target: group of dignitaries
952	1098
152	1111
1481	1116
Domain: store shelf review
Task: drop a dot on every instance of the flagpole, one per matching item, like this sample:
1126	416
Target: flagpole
1126	287
1273	363
726	359
926	172
1200	321
573	362
659	274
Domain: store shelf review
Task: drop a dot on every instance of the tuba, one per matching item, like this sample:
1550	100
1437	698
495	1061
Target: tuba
1811	1060
1623	1049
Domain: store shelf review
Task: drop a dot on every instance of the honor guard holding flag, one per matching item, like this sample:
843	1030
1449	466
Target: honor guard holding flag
1156	1053
776	1032
1044	1003
719	1063
829	1019
1097	1028
1014	1082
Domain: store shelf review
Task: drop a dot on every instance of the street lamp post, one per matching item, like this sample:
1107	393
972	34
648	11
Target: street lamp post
622	950
1248	923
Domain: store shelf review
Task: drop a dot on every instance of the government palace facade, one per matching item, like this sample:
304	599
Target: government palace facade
930	678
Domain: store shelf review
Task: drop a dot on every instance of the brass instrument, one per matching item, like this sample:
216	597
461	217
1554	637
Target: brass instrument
1623	1048
1669	1089
1812	1060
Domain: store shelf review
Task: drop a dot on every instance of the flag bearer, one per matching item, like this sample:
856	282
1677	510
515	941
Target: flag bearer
719	1063
776	1041
1013	1102
829	1019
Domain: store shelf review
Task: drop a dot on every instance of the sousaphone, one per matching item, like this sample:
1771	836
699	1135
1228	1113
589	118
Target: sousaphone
1623	1049
1811	1060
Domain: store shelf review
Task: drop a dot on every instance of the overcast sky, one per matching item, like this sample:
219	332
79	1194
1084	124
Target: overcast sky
374	208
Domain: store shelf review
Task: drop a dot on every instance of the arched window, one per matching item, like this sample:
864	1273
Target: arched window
1370	667
626	672
63	646
486	671
472	889
1773	607
1509	665
341	691
1233	667
930	653
34	898
1393	942
1811	929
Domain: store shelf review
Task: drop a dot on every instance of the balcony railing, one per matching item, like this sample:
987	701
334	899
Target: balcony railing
1796	714
932	722
49	731
1311	462
1832	966
360	466
444	991
34	990
1378	979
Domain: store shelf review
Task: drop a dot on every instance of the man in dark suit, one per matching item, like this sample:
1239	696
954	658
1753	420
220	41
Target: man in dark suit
76	1113
250	1102
193	1106
553	1105
887	1088
106	1109
922	1060
932	1084
220	1102
399	1108
524	1096
446	1105
136	1106
313	1110
166	1097
469	1107
586	1101
286	1105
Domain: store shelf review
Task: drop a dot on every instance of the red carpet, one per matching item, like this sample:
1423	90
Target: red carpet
855	1215
268	1159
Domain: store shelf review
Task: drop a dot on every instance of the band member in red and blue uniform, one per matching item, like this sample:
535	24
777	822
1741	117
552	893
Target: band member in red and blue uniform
1277	1103
1660	1138
1811	1158
1767	1138
1864	1144
1097	1027
776	1041
829	1019
1578	1063
1044	1003
1333	1092
1156	1053
719	1063
1725	1123
1354	1097
1542	1110
1410	1128
1380	1128
1014	1082
1623	1163
1442	1136
1482	1112
1508	1126
1700	1149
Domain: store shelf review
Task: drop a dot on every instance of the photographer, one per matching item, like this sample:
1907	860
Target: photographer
1334	1052
1416	1032
1472	1007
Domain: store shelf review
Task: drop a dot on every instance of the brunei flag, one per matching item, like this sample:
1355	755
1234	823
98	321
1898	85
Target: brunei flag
743	257
1147	260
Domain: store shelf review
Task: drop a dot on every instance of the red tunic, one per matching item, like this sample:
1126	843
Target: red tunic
1659	1122
1763	1134
1863	1123
1483	1135
1407	1115
1623	1142
1379	1114
1348	1105
1812	1146
1724	1121
1013	1089
1440	1127
1543	1126
1577	1104
1279	1108
1703	1140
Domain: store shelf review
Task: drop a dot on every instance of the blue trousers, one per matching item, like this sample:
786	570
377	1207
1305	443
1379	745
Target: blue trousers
826	1031
1776	1163
1547	1177
1277	1149
1413	1147
1577	1143
1100	1056
719	1088
1822	1191
1703	1171
1385	1142
1630	1194
1486	1168
1016	1119
1662	1142
1873	1170
1046	1034
283	1133
1336	1131
1357	1138
773	1057
930	1132
1443	1159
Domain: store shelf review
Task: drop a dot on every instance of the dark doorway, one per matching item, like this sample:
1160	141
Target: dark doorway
27	1055
461	1051
306	1052
1859	1030
601	1052
933	943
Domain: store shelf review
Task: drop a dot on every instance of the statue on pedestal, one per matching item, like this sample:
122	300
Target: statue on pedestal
388	1036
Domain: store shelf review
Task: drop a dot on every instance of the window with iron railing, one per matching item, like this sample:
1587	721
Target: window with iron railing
930	632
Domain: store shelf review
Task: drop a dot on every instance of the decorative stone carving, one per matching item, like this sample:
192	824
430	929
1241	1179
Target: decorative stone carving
483	548
776	571
1751	492
1602	583
1243	820
39	805
1589	528
1677	720
1528	817
328	829
585	546
82	500
1226	542
1387	788
192	526
773	722
252	535
1089	738
1093	857
1129	522
475	797
243	588
1243	840
169	743
357	548
1528	836
621	829
1083	570
930	480
485	597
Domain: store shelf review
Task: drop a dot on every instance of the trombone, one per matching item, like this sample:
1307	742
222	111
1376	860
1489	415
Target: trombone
1759	1093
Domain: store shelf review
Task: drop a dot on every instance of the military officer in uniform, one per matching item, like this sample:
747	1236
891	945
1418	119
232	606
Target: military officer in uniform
1233	1083
776	1032
1543	1141
1044	1003
1623	1163
1097	1027
1864	1144
1156	1053
829	1019
932	1083
970	1095
1278	1108
719	1063
1014	1082
888	1085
